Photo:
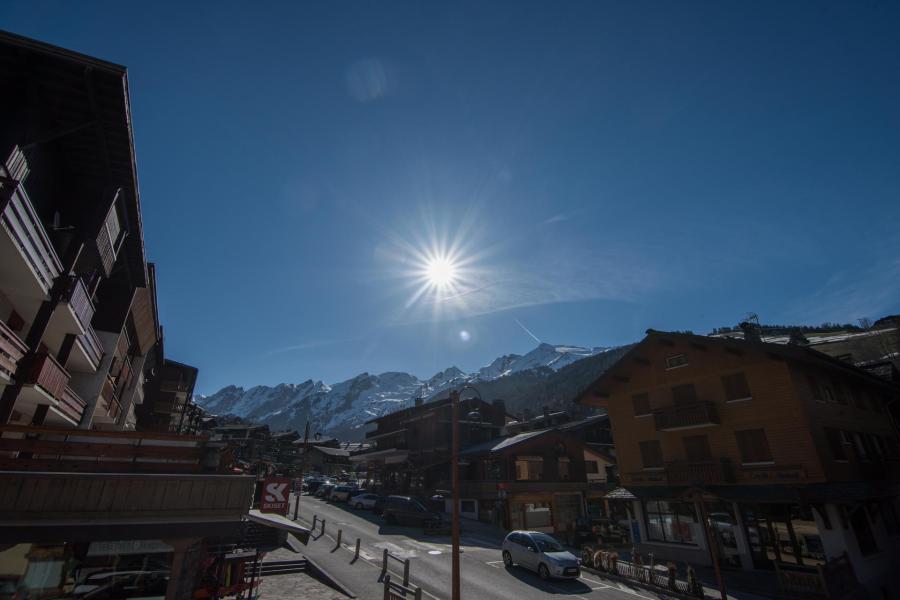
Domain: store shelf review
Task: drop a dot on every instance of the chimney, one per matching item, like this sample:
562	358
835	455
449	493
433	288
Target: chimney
751	332
498	414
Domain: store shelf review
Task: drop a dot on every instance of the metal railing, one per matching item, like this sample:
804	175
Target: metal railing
683	416
686	472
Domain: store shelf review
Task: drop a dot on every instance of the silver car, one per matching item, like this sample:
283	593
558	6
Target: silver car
540	552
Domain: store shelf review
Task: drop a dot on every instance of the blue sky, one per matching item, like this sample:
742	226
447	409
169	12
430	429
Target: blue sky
596	169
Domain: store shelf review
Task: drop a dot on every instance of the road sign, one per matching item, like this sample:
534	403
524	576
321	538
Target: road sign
275	494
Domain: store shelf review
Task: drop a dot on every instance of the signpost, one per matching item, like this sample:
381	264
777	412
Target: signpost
275	494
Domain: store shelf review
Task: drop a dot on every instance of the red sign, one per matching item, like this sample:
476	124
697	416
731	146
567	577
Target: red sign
275	495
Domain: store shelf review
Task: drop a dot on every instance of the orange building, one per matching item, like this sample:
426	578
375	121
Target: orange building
790	453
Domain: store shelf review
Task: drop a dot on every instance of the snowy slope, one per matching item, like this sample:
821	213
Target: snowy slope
343	408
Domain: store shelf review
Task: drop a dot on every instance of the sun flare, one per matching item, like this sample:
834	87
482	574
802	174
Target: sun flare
440	272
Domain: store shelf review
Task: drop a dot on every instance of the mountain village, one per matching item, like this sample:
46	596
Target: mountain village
751	462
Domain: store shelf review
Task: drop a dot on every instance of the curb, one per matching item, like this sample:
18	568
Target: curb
325	577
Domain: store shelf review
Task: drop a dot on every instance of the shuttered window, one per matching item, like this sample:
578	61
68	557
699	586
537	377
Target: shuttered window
651	454
696	448
641	404
736	387
753	445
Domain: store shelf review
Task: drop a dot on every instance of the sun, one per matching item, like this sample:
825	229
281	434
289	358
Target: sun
441	272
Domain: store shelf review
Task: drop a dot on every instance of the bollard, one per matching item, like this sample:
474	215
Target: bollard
315	518
323	526
297	507
406	572
418	595
338	543
384	563
387	587
356	554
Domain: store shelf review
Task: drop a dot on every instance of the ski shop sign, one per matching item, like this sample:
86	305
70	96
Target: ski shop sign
275	495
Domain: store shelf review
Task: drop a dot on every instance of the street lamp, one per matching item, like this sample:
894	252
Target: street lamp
454	474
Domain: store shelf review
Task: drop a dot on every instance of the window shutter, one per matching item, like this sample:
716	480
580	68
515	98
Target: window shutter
651	454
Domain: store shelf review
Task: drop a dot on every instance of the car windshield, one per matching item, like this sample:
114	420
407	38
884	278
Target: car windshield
546	543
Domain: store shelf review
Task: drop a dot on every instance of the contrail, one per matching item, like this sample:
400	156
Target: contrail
525	329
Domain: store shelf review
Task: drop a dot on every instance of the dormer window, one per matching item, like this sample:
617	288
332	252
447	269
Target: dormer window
674	362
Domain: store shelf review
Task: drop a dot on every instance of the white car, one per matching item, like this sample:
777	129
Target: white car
540	552
363	501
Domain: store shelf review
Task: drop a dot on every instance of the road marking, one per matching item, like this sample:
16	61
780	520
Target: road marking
434	552
494	563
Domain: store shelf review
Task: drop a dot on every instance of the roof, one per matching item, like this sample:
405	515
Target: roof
583	422
424	406
279	522
620	493
498	444
791	352
330	451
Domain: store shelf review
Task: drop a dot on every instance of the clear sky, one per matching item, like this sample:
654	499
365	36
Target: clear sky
593	169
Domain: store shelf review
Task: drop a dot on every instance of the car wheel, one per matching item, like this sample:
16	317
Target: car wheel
358	506
543	571
507	558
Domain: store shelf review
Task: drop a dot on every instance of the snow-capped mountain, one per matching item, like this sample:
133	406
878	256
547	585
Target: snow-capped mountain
342	409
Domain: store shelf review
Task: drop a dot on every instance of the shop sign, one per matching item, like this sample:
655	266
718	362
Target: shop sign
275	494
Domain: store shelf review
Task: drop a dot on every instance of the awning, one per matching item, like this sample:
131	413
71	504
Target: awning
280	522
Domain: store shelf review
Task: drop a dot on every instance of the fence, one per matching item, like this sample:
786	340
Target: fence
396	591
608	563
384	566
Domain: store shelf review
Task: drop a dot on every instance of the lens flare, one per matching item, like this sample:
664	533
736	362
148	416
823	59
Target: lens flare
441	272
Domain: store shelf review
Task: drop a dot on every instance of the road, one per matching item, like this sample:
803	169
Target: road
483	575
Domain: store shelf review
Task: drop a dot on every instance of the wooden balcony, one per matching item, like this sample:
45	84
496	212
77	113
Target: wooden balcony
12	349
29	259
71	405
49	375
699	472
92	346
109	239
91	451
80	302
686	416
109	402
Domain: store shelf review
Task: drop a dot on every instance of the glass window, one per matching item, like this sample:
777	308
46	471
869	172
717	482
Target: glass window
563	466
674	522
529	469
684	394
591	467
753	445
736	387
546	543
679	360
651	454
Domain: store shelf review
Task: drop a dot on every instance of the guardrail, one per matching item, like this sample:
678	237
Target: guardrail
607	563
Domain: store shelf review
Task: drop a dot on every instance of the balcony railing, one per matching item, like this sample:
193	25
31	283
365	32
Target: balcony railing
109	402
72	405
76	450
49	375
685	416
93	348
699	472
109	239
26	229
12	349
80	302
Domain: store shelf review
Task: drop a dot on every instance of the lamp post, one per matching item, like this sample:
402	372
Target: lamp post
454	477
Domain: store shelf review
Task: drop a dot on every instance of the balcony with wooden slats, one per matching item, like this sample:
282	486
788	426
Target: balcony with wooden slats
686	416
12	349
79	302
71	406
48	375
28	262
109	402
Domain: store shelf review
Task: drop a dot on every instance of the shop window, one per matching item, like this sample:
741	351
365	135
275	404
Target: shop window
563	466
754	446
535	515
836	443
641	403
674	362
651	454
684	394
674	522
696	448
529	468
736	387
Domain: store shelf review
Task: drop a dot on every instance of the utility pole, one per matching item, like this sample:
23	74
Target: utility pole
713	544
302	462
454	469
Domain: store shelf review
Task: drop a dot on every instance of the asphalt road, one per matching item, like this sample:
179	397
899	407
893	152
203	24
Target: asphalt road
482	573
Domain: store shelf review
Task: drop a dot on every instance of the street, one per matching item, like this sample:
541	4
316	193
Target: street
482	573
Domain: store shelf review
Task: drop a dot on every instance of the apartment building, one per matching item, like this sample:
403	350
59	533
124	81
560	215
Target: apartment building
789	453
411	451
96	497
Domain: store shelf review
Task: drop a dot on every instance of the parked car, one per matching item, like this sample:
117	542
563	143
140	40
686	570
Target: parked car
403	510
342	493
366	500
540	552
324	491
